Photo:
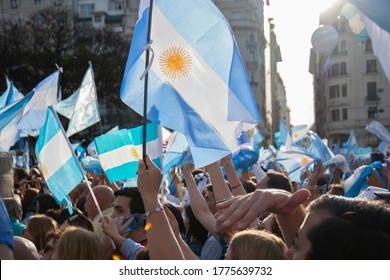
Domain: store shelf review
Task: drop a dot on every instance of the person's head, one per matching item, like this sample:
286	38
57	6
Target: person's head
14	207
28	197
128	201
24	249
79	220
343	228
254	244
249	186
78	244
336	189
19	174
275	180
51	240
45	202
179	218
37	228
105	198
195	230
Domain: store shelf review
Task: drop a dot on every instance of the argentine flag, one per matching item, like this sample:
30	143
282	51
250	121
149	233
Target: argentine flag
120	150
197	84
56	159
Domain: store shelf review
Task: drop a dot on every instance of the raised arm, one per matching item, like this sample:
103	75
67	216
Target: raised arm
234	181
161	240
198	203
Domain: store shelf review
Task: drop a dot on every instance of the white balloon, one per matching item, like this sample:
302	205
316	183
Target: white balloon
324	39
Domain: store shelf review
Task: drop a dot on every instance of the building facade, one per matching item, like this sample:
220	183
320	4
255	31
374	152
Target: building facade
353	91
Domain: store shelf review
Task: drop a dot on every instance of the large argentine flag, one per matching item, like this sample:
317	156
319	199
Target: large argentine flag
197	82
119	151
56	158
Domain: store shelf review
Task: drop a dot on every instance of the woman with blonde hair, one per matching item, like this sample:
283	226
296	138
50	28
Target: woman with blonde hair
37	228
254	244
78	243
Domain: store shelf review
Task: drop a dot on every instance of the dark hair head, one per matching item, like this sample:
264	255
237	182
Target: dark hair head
136	203
46	202
195	229
249	186
20	173
179	218
80	220
356	229
277	180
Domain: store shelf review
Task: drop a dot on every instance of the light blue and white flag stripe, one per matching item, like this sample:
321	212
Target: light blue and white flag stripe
356	183
352	15
363	154
45	94
56	159
11	94
299	132
204	96
11	111
378	129
81	107
375	16
119	151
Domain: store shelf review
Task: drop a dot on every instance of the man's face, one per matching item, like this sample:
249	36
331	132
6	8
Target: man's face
121	206
302	245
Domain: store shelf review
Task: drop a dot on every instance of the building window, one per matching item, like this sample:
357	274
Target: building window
371	140
368	45
371	92
118	5
343	46
86	10
344	90
343	25
344	113
37	2
335	70
343	68
335	115
371	66
334	91
14	4
372	112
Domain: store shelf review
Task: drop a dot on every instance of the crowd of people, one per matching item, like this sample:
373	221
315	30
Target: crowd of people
213	213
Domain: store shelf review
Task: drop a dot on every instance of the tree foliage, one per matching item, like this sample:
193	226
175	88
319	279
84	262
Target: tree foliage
30	49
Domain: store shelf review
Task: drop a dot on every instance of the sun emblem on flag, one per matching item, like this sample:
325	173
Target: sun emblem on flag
305	160
175	62
134	152
295	136
44	170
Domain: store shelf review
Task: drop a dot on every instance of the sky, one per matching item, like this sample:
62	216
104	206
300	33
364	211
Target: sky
295	22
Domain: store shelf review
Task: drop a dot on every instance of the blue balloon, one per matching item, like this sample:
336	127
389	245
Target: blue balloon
245	157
